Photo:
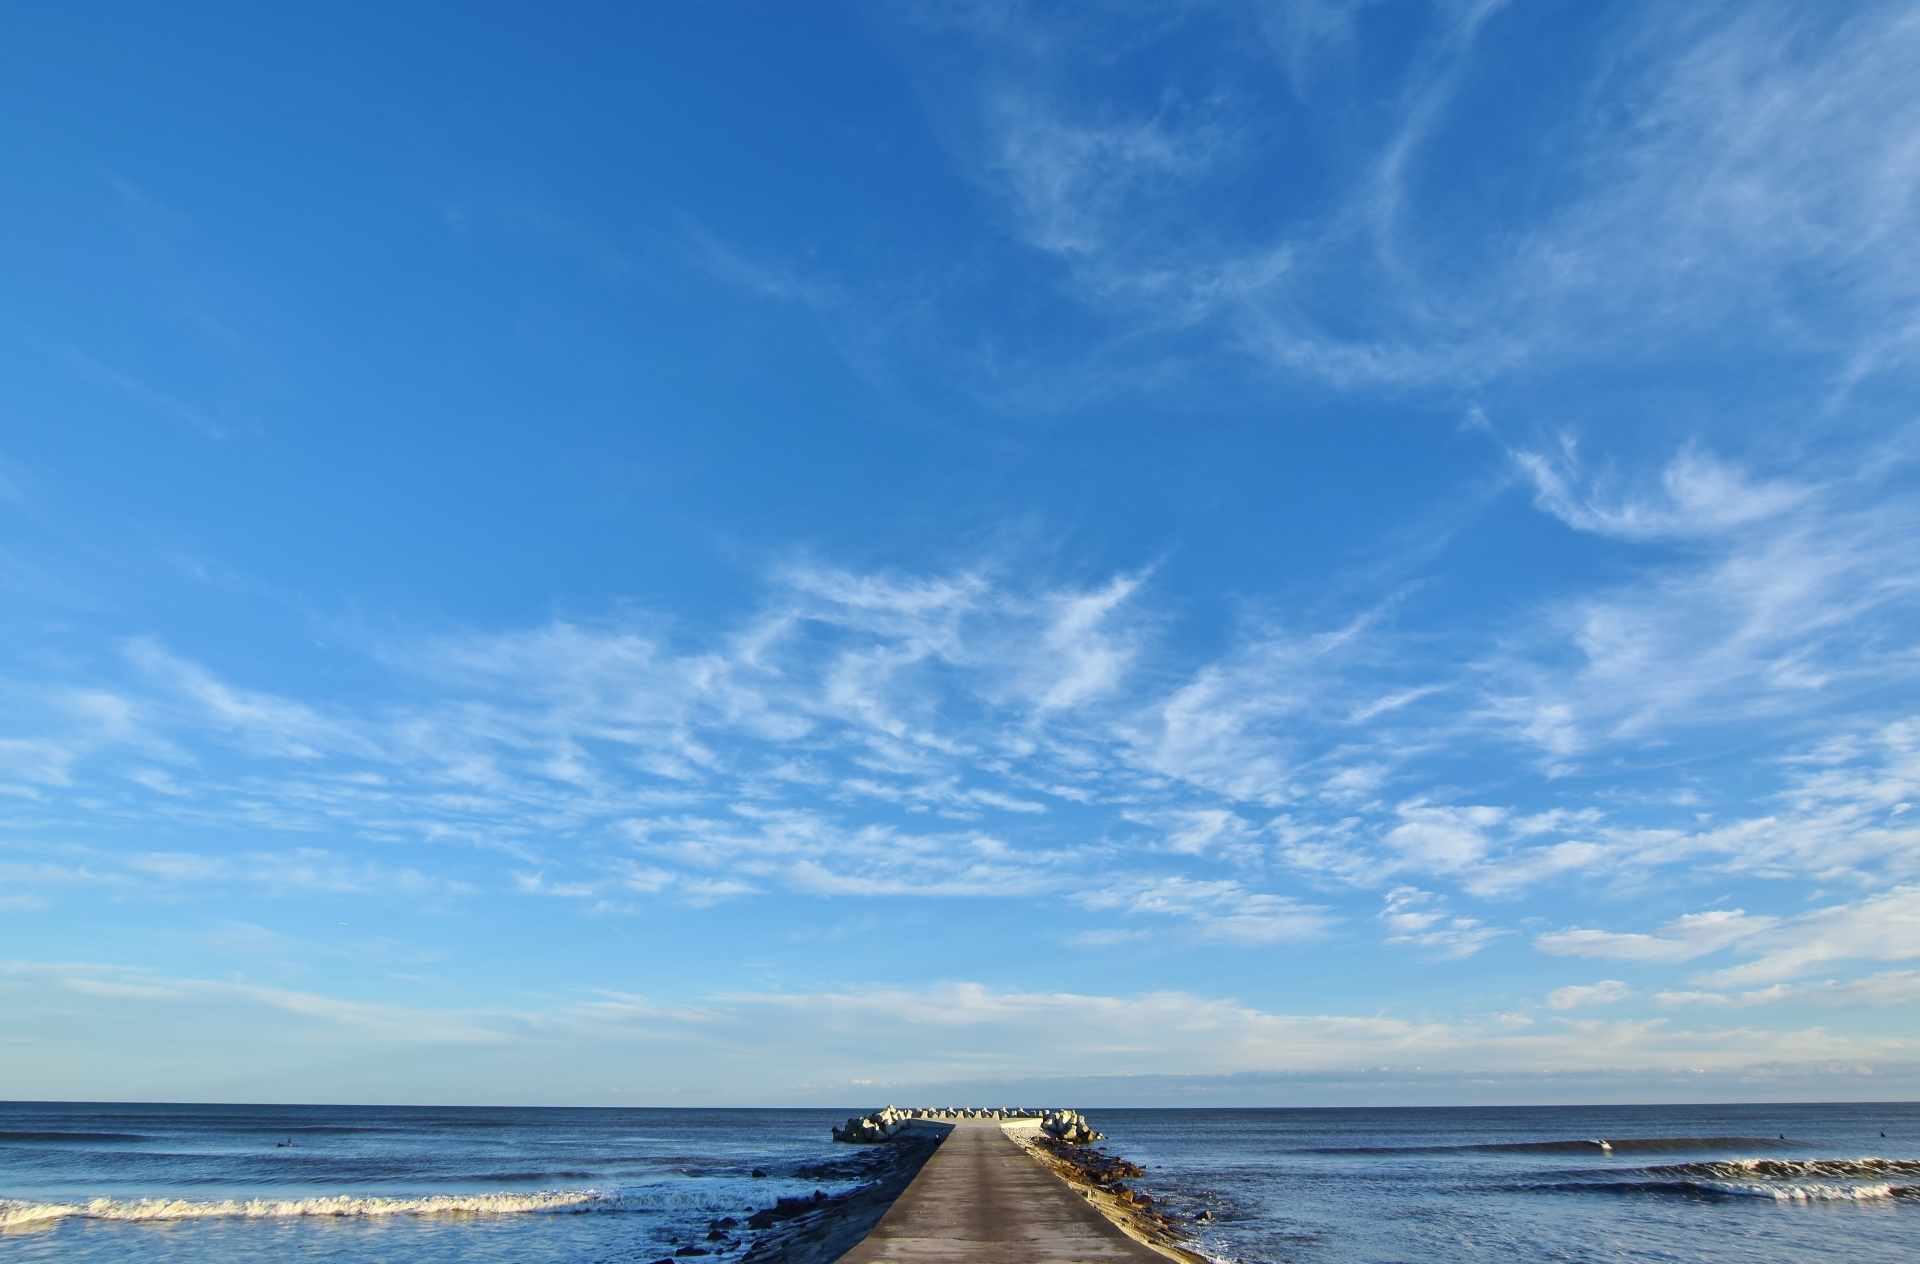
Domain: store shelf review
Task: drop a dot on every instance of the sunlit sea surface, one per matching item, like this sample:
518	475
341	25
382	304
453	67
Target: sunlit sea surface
212	1184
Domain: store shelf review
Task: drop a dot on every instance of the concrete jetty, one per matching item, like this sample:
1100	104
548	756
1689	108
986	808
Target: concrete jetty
981	1200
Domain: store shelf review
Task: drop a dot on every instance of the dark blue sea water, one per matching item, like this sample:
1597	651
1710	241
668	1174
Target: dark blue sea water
101	1183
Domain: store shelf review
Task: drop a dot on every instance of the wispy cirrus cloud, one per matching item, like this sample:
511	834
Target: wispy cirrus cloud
1781	595
1700	167
947	734
969	734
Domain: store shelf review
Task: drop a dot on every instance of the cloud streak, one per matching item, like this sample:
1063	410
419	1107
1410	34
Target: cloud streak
918	1035
1731	167
957	735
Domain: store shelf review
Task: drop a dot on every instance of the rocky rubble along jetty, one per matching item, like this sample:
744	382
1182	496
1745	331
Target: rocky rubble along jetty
890	1121
822	1228
1101	1180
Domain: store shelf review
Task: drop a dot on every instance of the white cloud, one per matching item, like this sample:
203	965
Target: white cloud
1739	176
1891	987
1419	918
950	736
1699	497
719	1043
72	726
1785	596
1772	142
271	725
1203	832
1442	839
1241	726
1084	658
1220	909
1313	38
1682	939
36	761
1736	173
1721	157
1605	992
1881	927
189	999
1074	184
121	991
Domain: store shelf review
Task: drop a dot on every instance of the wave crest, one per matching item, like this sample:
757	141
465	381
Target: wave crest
1792	1169
1815	1193
1776	1180
18	1212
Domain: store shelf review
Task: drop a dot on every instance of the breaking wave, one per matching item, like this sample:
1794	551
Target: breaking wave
1792	1169
1821	1193
15	1213
1775	1180
1800	1180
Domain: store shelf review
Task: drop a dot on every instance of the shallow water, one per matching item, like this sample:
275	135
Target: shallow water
425	1185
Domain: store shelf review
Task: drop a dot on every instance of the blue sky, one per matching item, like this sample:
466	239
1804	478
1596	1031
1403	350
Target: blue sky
759	554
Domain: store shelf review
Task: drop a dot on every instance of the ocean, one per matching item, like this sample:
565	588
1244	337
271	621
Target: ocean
419	1185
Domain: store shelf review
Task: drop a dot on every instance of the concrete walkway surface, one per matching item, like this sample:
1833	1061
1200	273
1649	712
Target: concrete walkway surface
981	1200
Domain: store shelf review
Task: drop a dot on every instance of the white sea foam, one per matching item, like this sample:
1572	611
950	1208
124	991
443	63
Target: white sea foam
19	1212
1799	1180
1786	1169
1812	1193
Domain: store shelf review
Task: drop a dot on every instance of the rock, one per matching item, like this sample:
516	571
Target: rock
887	1123
882	1125
1070	1126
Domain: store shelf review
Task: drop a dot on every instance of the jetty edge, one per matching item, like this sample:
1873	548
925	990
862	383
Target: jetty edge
1100	1179
972	1186
821	1229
